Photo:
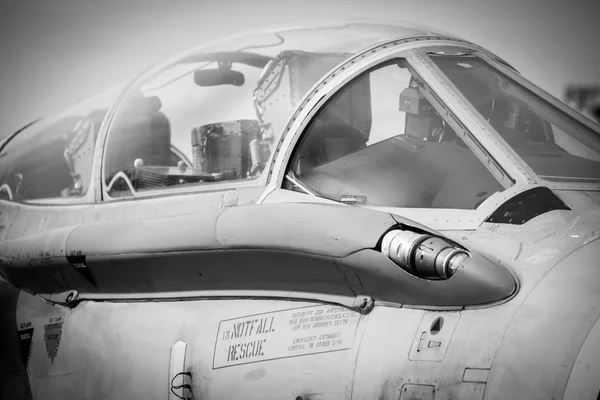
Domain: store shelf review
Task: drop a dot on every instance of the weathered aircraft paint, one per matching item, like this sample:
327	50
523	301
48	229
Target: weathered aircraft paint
325	212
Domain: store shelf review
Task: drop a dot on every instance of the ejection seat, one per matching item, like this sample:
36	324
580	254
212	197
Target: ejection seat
141	138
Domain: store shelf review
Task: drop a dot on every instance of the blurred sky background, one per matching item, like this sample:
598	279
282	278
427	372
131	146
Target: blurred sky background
54	53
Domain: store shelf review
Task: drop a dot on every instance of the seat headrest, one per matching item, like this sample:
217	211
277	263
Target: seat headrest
153	104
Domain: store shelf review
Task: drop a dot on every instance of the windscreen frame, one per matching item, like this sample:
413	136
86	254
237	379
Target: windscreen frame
501	146
345	72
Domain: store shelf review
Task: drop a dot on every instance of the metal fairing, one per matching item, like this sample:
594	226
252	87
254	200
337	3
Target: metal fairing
239	249
245	289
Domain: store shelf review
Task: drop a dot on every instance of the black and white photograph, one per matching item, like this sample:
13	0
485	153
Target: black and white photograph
300	199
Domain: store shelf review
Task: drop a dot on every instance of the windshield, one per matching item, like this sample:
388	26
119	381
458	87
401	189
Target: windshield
556	146
216	113
385	140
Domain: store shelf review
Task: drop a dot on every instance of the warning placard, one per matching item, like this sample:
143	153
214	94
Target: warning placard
281	334
25	333
52	335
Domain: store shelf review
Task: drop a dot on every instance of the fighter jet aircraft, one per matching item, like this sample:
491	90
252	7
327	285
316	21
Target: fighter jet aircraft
332	211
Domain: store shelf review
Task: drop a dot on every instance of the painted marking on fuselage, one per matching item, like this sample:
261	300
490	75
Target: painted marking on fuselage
354	199
283	334
25	334
52	335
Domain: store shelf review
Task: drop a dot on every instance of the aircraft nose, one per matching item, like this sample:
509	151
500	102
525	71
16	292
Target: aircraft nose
545	352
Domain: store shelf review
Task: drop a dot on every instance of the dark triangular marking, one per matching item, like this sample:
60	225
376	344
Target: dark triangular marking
78	262
52	336
436	327
25	342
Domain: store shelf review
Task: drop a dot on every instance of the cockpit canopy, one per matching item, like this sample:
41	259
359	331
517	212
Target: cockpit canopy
223	106
217	113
